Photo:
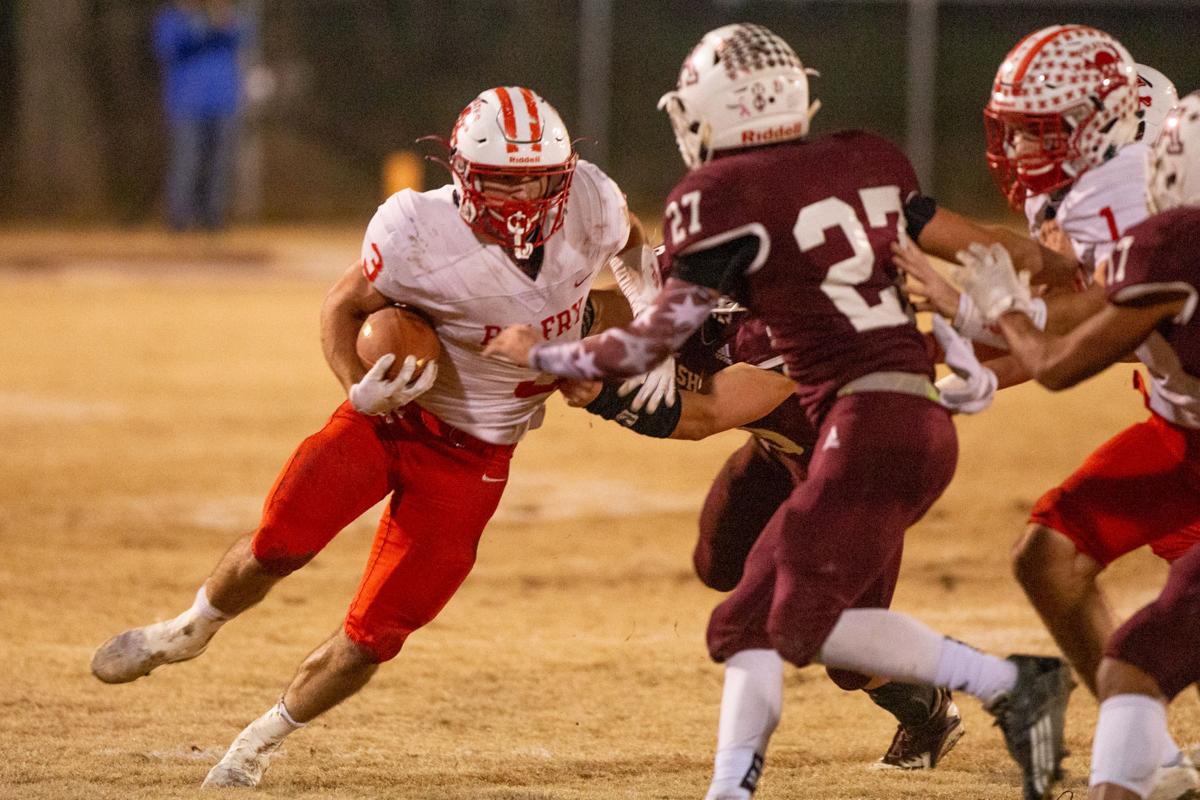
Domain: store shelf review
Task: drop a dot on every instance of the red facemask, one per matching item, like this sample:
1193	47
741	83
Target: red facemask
1027	153
497	203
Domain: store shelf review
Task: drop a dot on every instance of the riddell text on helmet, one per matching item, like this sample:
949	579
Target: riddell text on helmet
770	134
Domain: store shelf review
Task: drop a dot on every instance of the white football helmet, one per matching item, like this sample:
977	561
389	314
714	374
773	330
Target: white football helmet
1156	97
741	86
1173	173
512	163
1064	101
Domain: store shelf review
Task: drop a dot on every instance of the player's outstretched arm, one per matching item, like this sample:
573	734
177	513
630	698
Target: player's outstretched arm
347	304
1060	362
947	232
677	312
740	394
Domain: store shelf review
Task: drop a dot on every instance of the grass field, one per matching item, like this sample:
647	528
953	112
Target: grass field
152	388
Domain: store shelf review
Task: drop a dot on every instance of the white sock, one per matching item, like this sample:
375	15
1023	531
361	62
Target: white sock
751	705
275	725
965	669
1130	734
876	641
203	608
204	618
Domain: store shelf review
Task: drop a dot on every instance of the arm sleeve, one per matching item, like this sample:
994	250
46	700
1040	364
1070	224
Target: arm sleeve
678	311
720	267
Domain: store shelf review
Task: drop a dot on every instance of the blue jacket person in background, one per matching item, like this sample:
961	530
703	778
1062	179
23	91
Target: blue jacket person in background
197	43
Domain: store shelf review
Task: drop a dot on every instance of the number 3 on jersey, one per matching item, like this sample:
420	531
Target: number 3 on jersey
843	278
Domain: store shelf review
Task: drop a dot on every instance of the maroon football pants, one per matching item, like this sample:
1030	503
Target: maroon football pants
1160	639
752	484
881	461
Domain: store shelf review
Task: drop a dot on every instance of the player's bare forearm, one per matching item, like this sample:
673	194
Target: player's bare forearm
948	232
1045	266
1066	310
347	304
1061	361
740	394
1008	369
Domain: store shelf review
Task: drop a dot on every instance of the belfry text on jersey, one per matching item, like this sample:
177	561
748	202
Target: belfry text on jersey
552	326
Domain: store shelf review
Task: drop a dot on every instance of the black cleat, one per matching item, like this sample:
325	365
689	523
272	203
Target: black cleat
922	746
1032	717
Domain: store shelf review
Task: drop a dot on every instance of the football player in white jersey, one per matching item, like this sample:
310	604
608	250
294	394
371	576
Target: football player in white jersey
517	237
1063	125
1151	291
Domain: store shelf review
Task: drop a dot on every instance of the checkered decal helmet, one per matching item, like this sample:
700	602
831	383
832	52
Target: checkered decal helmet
741	86
1064	101
1173	174
1156	97
510	134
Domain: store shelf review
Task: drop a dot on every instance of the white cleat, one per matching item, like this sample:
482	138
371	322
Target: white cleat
244	763
1178	781
136	652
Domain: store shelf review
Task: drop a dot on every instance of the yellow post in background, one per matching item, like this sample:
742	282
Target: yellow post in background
403	169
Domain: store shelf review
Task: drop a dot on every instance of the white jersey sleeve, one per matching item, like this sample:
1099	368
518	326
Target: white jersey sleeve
595	197
1105	202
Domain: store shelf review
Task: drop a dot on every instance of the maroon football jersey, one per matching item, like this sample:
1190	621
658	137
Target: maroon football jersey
802	233
1156	261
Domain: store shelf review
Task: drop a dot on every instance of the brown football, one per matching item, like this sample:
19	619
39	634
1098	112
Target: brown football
400	331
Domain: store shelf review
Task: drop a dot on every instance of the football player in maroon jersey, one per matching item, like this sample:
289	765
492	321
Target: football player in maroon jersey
1151	288
799	230
729	375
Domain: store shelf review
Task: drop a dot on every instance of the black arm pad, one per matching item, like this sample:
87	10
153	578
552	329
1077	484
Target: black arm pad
661	424
918	210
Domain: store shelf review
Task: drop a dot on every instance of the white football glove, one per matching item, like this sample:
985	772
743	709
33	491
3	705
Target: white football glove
654	387
376	395
970	386
987	275
640	286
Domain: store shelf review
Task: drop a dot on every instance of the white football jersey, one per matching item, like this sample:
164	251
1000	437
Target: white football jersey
419	251
1105	202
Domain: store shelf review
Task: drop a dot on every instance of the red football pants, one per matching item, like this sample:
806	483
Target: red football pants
445	487
1141	487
